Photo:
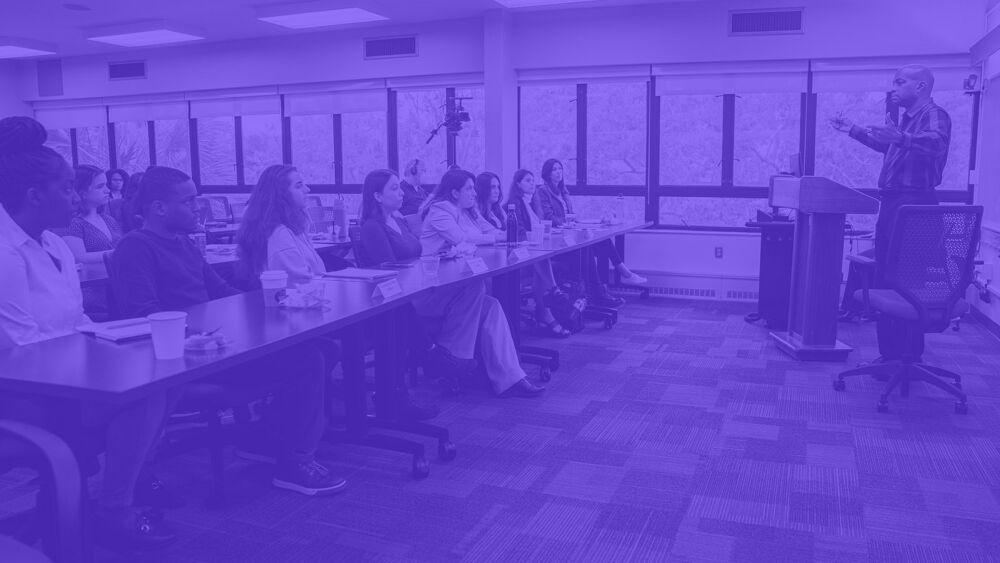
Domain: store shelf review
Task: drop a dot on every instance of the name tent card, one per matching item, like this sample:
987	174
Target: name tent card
477	265
387	290
519	254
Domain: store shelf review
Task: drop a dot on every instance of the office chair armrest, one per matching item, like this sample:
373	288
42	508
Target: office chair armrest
61	470
860	260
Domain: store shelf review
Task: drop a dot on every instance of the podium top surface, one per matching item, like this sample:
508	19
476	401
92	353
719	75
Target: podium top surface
815	194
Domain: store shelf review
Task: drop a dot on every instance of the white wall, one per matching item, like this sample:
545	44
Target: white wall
444	48
11	102
697	31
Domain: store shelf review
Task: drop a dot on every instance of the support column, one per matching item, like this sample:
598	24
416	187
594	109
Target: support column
500	86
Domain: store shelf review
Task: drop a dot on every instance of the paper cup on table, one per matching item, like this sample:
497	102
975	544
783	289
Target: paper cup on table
429	265
273	282
547	227
168	329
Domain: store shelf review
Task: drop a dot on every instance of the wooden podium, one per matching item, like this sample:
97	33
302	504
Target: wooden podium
817	262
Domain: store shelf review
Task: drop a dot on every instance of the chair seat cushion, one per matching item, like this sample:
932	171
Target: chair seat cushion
891	303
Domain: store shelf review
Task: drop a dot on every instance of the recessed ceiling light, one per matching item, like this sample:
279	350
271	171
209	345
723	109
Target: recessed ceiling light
13	48
142	34
15	52
322	18
527	3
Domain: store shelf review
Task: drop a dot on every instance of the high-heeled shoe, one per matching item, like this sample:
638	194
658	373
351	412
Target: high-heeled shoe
551	328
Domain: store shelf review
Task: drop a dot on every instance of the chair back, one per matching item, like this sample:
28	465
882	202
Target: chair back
114	310
930	257
61	474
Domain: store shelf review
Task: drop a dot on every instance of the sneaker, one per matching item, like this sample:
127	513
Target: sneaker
634	279
310	478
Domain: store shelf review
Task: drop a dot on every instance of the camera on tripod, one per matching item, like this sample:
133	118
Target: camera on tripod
455	116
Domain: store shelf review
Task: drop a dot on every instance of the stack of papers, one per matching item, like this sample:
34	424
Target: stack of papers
117	331
361	274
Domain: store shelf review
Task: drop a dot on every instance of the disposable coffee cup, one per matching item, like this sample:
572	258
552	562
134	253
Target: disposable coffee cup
273	282
168	330
429	265
547	227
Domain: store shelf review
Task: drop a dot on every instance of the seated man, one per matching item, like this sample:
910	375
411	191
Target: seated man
41	299
158	268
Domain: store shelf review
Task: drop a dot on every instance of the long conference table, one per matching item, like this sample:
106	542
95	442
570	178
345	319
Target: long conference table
87	368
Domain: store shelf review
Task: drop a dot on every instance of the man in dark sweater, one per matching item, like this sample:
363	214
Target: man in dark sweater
158	268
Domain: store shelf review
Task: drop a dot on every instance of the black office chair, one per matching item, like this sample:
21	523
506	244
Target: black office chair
927	271
60	495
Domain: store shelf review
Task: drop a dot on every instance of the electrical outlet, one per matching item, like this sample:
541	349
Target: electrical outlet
718	252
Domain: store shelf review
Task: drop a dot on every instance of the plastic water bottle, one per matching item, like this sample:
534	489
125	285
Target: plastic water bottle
619	209
511	226
340	213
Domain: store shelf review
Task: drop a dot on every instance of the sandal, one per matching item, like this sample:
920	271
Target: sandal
553	328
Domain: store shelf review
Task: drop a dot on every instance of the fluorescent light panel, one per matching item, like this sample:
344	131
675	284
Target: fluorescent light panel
323	18
146	38
17	52
528	3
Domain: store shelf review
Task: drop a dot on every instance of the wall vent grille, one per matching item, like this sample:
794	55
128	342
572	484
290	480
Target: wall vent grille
765	22
126	70
386	47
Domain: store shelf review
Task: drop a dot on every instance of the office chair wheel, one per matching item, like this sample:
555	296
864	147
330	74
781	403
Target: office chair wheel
421	469
545	374
961	408
446	451
839	385
882	407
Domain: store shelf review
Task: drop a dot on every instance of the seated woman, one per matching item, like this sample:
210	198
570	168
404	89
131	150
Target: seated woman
552	203
465	311
414	194
117	180
488	197
41	300
93	232
273	233
272	236
128	216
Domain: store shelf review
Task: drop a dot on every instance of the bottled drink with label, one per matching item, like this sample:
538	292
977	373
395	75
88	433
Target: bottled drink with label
340	213
620	209
511	226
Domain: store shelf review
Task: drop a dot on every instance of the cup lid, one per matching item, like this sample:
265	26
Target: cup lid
167	316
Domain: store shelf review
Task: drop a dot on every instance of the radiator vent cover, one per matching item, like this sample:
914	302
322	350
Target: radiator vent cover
385	47
690	292
765	22
126	70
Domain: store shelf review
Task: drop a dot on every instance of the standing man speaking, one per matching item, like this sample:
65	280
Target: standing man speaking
915	152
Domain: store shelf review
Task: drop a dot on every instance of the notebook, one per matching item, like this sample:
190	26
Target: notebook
117	331
361	274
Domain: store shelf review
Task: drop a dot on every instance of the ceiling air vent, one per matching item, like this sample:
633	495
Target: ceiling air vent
391	47
127	70
765	22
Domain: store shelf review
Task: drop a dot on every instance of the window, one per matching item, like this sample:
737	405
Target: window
958	104
132	145
690	140
709	211
59	141
312	148
217	151
616	133
261	145
548	128
766	134
365	146
92	146
839	157
599	207
173	144
419	112
470	143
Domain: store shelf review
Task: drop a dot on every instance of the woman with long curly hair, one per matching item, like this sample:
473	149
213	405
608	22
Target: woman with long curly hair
273	234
